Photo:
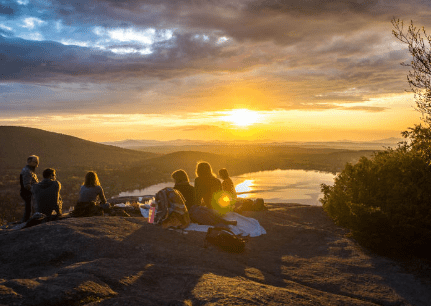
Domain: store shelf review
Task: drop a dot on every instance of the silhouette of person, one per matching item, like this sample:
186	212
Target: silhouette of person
47	194
207	185
182	184
227	184
28	178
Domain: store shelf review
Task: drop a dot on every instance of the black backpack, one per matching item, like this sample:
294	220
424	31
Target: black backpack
225	240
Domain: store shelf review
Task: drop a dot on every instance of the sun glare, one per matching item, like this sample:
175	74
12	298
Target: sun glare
242	117
244	187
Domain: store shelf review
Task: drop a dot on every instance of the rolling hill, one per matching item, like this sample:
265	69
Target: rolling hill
59	150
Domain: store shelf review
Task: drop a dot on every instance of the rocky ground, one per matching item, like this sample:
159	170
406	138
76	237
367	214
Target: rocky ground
304	259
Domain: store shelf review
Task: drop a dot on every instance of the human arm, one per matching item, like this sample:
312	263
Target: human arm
28	178
102	196
198	192
59	207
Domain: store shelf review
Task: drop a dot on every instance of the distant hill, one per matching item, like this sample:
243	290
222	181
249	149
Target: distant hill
186	160
55	149
164	147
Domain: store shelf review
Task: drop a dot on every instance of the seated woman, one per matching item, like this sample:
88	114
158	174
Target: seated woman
209	195
206	184
89	194
182	184
227	184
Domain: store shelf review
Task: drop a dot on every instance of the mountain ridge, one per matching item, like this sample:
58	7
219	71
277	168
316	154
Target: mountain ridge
56	149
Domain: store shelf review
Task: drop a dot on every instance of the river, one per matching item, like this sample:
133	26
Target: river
274	186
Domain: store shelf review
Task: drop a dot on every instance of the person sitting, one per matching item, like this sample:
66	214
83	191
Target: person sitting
182	184
47	195
90	193
207	185
227	184
209	196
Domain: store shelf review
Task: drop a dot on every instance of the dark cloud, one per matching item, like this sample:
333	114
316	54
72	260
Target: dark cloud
7	9
304	50
313	7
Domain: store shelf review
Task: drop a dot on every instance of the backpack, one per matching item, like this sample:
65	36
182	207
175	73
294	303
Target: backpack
171	210
225	240
249	205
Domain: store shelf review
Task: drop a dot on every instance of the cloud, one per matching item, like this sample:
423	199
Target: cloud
7	9
371	109
182	55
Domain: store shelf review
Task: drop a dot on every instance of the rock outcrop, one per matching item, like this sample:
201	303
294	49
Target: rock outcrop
304	259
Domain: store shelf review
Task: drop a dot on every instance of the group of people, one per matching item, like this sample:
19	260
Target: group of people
44	196
206	201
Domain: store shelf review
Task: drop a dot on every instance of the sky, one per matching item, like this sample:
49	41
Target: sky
257	70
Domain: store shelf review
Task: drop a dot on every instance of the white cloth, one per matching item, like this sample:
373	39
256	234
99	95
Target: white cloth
245	226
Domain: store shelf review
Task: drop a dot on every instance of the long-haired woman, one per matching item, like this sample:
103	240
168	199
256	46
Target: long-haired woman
91	190
207	185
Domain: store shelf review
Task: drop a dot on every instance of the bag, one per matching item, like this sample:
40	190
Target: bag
171	210
249	205
225	240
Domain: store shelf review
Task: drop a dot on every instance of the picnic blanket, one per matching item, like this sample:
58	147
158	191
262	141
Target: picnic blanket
245	226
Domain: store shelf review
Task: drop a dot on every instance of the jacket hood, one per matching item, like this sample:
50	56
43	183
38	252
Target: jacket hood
46	183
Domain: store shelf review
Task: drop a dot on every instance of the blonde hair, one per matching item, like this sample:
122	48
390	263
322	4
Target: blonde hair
203	169
91	179
223	173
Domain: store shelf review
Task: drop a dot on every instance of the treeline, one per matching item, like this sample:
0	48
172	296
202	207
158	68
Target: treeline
138	175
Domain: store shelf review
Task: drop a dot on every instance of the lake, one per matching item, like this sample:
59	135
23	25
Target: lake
274	186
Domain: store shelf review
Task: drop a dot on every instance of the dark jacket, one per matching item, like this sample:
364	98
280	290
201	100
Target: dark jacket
206	187
47	197
188	192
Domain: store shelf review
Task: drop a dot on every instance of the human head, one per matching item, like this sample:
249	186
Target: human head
180	176
203	169
48	173
91	179
223	173
33	160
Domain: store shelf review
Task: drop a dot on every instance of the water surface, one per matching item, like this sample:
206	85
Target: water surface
274	186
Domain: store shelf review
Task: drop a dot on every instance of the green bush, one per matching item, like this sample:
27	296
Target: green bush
385	200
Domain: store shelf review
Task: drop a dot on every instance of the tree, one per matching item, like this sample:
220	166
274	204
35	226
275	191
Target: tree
419	77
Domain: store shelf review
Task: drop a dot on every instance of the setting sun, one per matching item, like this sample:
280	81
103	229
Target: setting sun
242	117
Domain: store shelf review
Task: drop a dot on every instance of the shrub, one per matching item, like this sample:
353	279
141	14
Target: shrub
385	200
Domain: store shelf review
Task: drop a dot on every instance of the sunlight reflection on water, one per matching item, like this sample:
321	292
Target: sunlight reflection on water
274	186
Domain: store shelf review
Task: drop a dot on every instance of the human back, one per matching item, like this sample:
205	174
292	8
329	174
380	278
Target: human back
182	184
91	190
90	193
47	194
206	184
227	184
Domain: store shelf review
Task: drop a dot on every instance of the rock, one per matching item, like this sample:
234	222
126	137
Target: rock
304	259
